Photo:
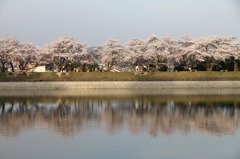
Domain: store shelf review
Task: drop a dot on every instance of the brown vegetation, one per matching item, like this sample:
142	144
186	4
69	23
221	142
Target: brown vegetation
121	76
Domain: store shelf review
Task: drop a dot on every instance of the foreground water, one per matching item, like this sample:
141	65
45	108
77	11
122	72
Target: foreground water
111	124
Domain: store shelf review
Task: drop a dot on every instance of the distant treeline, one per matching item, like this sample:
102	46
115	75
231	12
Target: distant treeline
153	54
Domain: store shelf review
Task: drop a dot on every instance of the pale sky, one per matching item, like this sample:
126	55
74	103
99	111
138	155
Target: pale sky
95	21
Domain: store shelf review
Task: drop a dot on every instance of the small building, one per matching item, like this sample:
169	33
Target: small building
39	69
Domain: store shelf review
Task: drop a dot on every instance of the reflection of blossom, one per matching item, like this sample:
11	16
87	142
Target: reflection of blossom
67	116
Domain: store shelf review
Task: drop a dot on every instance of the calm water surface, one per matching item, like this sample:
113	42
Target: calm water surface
111	124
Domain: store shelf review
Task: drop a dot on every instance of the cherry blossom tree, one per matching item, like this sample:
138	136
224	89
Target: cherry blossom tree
82	56
136	49
64	51
209	50
16	54
186	41
232	51
157	51
111	54
8	50
188	62
27	54
163	51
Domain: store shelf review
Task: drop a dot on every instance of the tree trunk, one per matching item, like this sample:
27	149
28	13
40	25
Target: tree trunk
80	68
12	67
65	67
235	66
108	69
157	67
25	66
59	67
210	66
109	66
3	66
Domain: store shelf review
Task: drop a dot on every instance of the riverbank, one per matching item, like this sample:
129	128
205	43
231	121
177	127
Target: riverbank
120	76
57	85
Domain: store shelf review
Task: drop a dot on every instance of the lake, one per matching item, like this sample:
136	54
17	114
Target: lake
118	124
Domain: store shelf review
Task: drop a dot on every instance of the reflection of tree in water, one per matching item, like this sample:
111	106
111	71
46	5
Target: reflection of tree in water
155	115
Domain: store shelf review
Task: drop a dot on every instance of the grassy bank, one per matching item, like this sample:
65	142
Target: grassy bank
122	76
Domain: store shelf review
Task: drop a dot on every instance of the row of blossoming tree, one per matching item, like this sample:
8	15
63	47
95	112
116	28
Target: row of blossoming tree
209	53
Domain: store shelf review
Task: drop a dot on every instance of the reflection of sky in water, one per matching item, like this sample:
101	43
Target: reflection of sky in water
120	126
93	144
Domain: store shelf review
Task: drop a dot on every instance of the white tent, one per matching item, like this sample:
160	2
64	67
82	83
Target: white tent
39	69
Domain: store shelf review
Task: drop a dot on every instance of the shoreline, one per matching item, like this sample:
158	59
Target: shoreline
68	85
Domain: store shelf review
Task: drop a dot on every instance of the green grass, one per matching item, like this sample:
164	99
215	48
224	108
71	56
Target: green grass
122	76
